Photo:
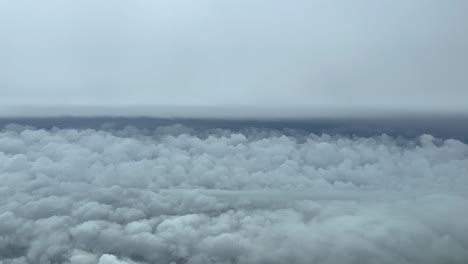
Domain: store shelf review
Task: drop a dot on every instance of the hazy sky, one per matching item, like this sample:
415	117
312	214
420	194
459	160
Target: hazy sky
271	54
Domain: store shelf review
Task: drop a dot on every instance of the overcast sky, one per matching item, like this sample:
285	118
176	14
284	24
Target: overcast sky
385	55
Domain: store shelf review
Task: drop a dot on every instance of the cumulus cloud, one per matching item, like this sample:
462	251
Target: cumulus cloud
182	195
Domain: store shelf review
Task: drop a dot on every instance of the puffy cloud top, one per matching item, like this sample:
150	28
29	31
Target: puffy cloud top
181	195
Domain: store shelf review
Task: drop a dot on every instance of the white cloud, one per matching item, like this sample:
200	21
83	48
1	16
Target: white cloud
218	196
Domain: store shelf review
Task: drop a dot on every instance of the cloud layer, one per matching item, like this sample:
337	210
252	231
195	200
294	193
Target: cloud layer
398	54
181	195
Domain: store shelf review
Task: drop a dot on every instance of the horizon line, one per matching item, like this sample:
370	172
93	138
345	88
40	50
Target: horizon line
225	112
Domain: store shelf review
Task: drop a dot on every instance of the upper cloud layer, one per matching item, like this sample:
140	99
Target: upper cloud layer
180	195
310	54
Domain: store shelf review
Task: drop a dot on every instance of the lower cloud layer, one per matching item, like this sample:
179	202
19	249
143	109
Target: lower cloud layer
178	195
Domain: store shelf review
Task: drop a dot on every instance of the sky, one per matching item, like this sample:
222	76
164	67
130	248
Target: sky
243	57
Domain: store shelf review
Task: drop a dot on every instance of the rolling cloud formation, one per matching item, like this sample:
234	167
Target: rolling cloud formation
179	195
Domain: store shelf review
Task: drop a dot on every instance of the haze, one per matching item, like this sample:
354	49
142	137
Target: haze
249	55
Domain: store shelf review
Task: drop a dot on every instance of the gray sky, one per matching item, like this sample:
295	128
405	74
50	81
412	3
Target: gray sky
382	55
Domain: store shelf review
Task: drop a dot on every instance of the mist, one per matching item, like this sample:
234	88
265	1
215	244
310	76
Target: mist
410	56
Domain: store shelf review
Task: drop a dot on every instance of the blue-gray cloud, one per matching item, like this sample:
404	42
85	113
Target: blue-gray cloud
179	195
